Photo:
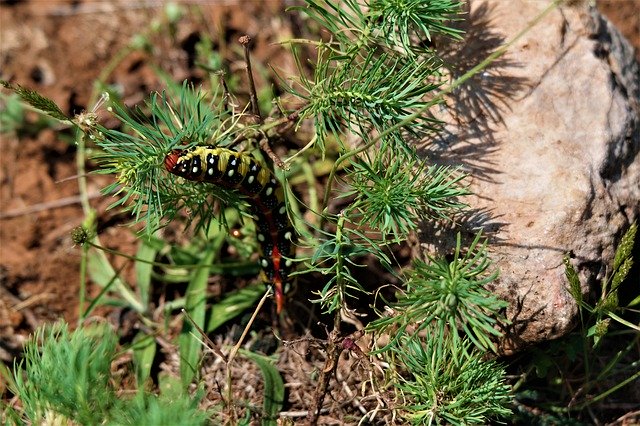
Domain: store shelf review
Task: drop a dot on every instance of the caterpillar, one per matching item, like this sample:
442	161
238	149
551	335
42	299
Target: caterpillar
242	172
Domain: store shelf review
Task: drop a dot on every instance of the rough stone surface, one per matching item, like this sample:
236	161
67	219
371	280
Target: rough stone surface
549	134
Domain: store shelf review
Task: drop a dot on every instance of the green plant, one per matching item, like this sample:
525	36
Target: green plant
368	96
442	390
575	374
353	90
447	296
607	308
66	378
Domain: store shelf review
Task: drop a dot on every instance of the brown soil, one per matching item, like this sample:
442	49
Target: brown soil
61	53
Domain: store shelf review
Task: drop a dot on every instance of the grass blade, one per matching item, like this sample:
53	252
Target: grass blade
233	305
147	254
195	305
144	351
273	387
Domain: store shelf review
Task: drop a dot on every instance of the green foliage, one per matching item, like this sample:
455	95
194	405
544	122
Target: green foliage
388	23
371	94
335	256
452	295
142	184
68	375
37	101
11	114
144	351
607	307
394	194
233	304
154	410
13	108
574	281
599	360
622	260
273	394
67	379
195	306
445	389
146	255
406	23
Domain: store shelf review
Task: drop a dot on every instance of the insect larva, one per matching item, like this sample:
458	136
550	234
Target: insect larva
240	171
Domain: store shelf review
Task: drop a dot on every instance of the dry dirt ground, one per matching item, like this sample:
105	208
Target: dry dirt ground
60	48
61	52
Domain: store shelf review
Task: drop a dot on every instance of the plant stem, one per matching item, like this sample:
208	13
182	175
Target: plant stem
255	109
334	345
234	351
609	391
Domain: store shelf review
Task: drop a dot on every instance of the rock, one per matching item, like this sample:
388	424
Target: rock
549	135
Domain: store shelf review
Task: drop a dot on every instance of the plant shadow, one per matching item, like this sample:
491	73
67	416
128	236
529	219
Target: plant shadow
475	110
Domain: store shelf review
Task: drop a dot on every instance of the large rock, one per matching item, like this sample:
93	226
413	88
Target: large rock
549	134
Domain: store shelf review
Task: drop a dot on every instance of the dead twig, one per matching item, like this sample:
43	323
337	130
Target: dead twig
266	148
49	205
335	346
255	109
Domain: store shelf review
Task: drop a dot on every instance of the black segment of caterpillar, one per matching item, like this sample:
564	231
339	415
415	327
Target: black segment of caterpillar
243	173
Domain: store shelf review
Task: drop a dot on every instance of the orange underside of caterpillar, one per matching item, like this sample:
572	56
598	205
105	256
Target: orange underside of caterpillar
243	173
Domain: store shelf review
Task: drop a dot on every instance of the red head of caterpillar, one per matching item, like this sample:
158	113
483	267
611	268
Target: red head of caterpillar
171	160
242	172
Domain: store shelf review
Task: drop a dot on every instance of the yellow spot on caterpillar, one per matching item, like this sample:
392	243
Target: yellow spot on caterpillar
245	165
263	176
279	194
224	159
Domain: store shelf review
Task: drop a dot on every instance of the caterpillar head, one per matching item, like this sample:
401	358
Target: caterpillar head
171	160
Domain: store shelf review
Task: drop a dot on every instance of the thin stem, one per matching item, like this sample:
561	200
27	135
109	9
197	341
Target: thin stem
307	172
609	391
83	284
334	345
225	92
203	335
88	213
82	177
340	283
234	350
255	109
266	148
214	266
283	121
